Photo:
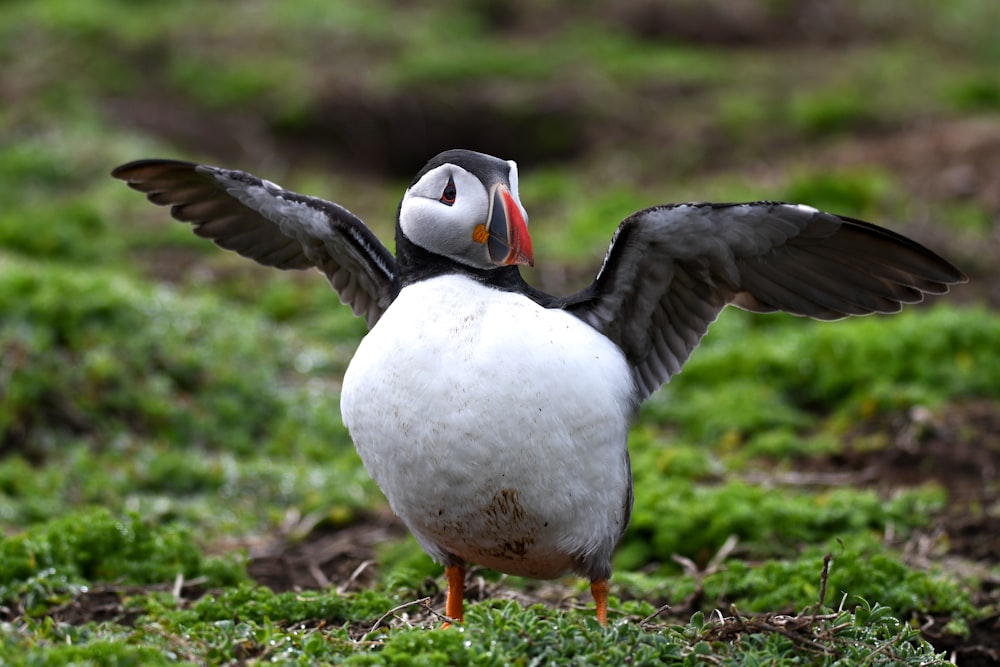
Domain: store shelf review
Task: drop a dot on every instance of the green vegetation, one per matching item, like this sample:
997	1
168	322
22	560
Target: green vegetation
169	413
63	555
497	633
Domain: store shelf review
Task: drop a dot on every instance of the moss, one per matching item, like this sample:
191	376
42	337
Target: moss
862	569
101	354
677	516
782	373
94	546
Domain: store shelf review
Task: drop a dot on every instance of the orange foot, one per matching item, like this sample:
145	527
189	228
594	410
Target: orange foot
599	589
456	594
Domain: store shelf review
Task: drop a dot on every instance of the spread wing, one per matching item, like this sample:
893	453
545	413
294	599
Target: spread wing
671	269
273	226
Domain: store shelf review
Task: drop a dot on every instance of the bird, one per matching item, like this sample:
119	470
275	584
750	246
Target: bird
494	416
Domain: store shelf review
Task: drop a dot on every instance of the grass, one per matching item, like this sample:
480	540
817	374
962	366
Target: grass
166	407
239	625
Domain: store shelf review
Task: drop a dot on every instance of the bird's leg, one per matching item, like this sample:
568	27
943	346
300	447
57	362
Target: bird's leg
599	589
456	593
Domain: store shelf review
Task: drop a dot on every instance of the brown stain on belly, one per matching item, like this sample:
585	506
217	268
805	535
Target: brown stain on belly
505	506
505	516
502	535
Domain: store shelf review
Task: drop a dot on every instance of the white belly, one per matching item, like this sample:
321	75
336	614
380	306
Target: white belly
496	428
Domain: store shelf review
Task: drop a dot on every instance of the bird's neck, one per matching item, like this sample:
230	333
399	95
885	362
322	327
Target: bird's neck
415	264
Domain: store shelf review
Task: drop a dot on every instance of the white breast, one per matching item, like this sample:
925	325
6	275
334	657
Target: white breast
495	427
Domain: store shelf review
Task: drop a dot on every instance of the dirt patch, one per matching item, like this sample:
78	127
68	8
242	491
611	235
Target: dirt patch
955	161
976	537
106	603
751	23
325	557
981	648
390	134
957	447
395	134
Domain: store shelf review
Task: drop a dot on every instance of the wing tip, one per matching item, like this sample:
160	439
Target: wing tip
126	172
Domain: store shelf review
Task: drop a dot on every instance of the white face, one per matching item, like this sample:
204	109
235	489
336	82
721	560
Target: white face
446	212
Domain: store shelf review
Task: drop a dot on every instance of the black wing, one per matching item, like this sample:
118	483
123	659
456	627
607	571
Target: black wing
273	226
671	269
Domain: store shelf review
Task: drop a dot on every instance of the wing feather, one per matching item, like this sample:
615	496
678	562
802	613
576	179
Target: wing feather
671	270
273	226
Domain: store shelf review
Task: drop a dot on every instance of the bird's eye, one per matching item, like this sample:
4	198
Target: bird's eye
449	194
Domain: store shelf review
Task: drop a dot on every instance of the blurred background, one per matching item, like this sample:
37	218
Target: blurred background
883	109
144	370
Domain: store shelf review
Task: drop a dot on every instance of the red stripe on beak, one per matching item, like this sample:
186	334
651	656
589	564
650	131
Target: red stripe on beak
509	241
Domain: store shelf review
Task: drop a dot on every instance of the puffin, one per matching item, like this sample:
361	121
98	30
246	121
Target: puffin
495	416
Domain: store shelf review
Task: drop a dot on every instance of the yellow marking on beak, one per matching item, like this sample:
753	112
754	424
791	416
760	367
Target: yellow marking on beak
480	234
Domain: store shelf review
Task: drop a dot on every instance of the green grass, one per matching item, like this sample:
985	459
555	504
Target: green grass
790	376
126	392
241	625
131	358
53	560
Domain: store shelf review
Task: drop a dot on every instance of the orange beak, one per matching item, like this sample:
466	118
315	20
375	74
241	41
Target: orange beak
509	242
